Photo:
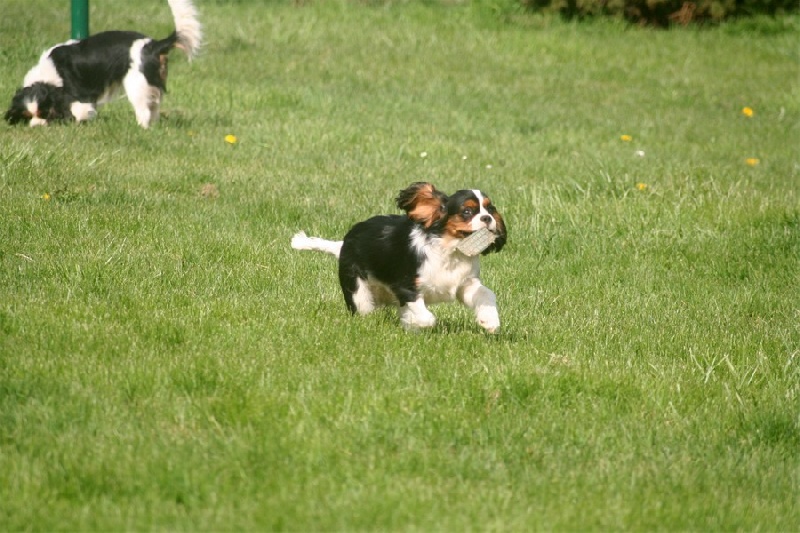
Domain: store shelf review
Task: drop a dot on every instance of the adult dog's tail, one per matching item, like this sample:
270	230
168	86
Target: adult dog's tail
188	30
301	241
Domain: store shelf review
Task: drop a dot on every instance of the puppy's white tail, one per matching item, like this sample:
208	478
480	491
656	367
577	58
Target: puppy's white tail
187	26
301	241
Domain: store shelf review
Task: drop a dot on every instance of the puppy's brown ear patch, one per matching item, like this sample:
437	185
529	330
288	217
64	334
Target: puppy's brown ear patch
423	203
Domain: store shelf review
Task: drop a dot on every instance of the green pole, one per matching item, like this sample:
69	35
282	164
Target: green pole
80	19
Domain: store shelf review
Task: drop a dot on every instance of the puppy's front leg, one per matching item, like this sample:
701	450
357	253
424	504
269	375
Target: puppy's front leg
414	315
475	296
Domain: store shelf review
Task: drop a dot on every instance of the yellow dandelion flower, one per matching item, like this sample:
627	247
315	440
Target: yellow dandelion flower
748	112
231	139
752	161
641	186
45	197
626	138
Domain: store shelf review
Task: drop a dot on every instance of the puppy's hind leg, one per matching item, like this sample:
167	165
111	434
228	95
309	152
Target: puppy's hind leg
357	294
363	300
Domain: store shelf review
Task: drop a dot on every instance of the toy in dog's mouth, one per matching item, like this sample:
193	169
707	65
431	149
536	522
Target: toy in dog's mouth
476	242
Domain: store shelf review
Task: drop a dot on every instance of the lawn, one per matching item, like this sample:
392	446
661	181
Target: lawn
168	362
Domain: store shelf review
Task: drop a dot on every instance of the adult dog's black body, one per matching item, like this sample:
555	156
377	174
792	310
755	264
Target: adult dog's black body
73	78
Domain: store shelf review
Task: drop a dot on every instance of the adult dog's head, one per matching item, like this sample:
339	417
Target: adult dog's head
38	105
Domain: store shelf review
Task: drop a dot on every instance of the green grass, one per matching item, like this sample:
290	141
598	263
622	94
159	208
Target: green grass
167	362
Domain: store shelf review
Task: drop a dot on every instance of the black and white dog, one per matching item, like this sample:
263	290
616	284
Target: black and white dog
73	78
417	259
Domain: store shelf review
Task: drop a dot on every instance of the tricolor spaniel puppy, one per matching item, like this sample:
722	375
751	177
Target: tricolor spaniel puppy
73	78
429	255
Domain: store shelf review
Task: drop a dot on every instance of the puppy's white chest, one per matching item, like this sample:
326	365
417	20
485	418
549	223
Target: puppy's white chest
442	274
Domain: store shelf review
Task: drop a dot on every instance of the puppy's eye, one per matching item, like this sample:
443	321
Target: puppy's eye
491	209
467	212
442	208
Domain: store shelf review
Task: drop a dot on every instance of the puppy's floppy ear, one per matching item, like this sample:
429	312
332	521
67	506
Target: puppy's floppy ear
422	203
501	235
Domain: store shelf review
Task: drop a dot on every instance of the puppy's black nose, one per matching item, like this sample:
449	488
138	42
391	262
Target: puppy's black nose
486	219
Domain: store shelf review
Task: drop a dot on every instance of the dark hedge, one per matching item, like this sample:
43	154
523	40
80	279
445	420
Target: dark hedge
664	12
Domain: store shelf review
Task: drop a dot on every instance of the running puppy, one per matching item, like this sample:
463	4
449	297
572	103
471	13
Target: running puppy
73	78
429	255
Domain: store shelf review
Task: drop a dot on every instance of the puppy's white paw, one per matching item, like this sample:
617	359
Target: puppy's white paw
488	318
415	319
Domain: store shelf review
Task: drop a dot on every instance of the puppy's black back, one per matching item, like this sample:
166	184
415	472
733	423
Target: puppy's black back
379	248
